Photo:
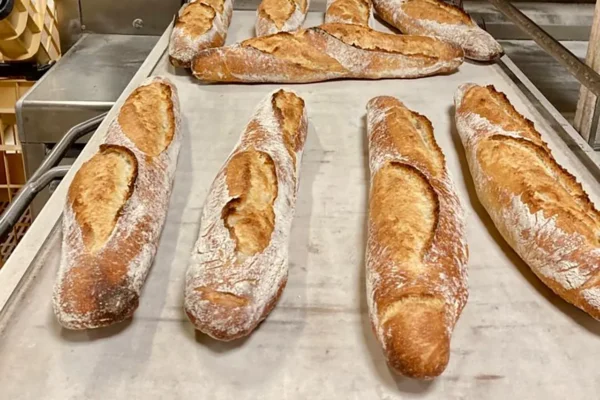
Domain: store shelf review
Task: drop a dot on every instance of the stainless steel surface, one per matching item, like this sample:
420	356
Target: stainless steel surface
33	154
584	74
83	84
27	193
515	339
117	16
69	23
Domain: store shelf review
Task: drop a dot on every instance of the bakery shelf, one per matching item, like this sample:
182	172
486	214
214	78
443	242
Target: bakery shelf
515	339
12	171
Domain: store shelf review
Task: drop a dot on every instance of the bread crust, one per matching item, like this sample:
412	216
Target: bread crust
357	12
538	206
115	210
416	248
273	16
199	25
239	265
438	18
330	51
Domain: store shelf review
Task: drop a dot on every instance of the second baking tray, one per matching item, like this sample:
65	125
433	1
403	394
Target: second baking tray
515	339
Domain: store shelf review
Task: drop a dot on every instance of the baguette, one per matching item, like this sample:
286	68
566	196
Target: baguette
239	265
416	248
357	12
538	206
275	16
200	24
115	211
437	18
330	51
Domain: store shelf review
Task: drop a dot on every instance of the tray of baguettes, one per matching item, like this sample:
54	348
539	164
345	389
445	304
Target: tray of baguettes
383	216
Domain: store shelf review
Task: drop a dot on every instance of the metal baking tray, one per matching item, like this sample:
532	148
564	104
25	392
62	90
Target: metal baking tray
515	339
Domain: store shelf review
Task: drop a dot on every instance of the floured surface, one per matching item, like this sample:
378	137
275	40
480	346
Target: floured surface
515	339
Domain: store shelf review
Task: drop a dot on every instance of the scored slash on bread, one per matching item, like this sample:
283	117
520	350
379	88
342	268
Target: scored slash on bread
437	18
273	16
416	253
329	51
239	265
538	206
199	25
357	12
115	211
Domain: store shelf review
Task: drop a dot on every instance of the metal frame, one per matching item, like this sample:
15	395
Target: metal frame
583	73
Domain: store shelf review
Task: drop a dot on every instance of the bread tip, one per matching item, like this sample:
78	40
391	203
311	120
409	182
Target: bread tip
417	341
460	92
221	315
117	307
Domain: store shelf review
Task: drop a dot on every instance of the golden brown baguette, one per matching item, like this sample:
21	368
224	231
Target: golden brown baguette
275	16
538	206
115	211
330	51
416	248
357	12
199	25
438	18
239	265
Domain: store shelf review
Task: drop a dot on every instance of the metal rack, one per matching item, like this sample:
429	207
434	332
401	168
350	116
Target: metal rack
513	339
584	74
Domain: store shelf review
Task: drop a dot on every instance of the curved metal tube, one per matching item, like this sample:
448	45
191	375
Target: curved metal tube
45	173
75	133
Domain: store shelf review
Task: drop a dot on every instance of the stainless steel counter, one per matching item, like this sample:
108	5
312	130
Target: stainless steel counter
515	339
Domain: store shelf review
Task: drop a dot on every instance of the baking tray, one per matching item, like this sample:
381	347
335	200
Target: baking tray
515	339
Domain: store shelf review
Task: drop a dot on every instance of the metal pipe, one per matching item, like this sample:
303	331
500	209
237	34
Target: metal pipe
11	216
70	137
583	73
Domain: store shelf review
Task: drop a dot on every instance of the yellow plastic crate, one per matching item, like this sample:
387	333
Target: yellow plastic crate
39	40
24	43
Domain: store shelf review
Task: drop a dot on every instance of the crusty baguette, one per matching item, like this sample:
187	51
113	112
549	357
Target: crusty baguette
357	12
239	264
200	24
437	18
115	211
538	206
330	51
416	247
275	16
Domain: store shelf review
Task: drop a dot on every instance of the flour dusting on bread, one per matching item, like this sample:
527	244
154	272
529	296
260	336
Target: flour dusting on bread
227	295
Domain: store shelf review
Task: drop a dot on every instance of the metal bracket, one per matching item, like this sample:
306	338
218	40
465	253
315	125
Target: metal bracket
46	173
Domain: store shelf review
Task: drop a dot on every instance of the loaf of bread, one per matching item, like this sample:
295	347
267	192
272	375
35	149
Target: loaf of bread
330	51
437	18
416	248
538	207
275	16
200	24
357	12
239	265
115	211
